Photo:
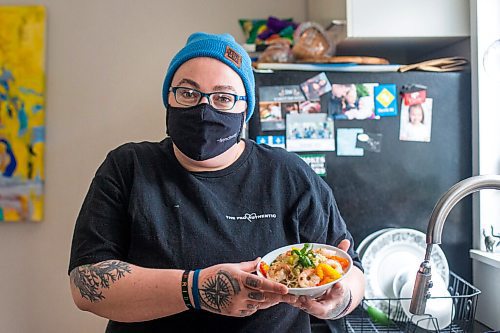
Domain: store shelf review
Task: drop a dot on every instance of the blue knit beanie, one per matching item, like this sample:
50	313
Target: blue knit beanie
222	47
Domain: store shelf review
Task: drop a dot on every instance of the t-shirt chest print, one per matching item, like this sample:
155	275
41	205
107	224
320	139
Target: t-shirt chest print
252	217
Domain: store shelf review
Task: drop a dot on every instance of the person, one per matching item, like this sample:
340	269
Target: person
350	99
170	232
415	129
336	102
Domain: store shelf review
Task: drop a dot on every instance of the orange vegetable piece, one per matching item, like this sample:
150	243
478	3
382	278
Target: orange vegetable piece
264	268
343	261
325	271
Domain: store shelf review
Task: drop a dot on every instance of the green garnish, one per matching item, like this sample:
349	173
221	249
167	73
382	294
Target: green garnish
305	256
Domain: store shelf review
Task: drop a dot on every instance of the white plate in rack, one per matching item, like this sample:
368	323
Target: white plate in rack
368	239
393	251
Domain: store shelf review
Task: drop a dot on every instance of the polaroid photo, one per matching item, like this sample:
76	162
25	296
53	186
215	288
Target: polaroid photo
416	121
316	86
352	101
309	132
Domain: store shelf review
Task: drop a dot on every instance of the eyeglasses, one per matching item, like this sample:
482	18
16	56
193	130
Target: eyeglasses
222	101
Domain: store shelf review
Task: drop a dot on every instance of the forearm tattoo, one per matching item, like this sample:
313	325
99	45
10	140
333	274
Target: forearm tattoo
91	279
217	291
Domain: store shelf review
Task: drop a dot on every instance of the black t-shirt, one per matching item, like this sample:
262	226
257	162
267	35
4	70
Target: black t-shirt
144	208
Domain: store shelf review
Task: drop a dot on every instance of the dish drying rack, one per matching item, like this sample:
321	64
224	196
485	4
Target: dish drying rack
464	298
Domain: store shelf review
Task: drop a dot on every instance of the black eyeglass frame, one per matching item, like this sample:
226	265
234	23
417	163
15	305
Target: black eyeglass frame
207	95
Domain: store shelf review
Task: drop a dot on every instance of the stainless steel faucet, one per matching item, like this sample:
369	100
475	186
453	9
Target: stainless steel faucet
435	228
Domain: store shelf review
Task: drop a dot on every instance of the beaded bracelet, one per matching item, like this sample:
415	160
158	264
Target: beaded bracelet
184	289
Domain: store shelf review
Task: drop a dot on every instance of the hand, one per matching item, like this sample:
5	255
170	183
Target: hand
332	303
231	290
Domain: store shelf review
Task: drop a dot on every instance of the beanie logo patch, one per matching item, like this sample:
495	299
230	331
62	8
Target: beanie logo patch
233	56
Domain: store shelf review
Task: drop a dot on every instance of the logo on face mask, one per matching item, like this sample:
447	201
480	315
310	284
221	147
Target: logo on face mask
201	132
220	140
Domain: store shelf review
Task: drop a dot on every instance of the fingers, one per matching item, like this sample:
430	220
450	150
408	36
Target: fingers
249	266
326	306
270	299
311	305
260	283
256	295
253	306
344	245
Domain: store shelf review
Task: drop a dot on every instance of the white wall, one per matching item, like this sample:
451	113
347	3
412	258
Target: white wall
486	114
105	65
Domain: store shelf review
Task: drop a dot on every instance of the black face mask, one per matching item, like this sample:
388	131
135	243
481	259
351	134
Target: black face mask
202	132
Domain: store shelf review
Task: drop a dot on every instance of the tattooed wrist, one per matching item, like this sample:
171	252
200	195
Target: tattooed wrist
217	291
92	279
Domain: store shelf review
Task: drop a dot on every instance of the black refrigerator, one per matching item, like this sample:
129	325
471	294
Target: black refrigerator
399	185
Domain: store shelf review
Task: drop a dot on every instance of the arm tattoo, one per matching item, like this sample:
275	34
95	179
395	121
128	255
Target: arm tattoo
217	291
90	279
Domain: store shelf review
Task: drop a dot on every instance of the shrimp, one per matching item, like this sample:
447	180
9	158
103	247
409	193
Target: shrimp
308	278
327	253
335	264
278	271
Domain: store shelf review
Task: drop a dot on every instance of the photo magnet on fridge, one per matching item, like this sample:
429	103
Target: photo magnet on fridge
346	142
271	116
354	101
369	142
316	86
316	161
386	102
416	122
290	93
274	104
413	94
309	132
271	140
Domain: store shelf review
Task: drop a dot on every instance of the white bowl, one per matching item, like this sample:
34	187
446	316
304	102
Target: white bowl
400	279
312	291
438	311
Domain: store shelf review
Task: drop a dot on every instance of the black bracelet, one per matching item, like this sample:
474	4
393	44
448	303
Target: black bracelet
343	312
184	289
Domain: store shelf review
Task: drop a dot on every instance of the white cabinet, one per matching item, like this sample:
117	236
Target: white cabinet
395	18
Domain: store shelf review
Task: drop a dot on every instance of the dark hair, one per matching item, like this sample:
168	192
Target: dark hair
414	106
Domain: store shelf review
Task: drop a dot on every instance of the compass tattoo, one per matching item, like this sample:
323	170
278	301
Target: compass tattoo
91	279
217	291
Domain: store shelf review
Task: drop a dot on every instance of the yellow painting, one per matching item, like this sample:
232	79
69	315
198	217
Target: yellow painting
22	112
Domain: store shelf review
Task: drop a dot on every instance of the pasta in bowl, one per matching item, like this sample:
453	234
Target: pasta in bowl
306	269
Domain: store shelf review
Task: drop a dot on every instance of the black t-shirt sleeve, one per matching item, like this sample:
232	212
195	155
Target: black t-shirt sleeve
101	230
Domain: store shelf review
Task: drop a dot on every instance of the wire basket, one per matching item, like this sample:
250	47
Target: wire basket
464	299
